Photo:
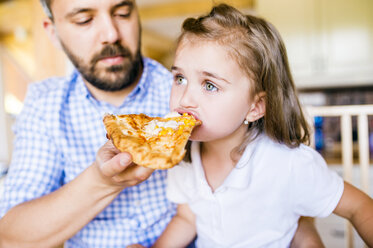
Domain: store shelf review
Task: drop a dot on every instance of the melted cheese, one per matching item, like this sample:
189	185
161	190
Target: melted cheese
172	123
155	127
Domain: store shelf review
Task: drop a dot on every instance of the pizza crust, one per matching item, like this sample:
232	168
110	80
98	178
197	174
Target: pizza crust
153	142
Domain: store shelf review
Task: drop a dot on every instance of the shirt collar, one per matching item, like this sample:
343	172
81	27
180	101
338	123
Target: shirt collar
82	89
199	173
239	177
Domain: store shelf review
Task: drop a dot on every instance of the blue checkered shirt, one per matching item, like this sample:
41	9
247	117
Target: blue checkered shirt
57	136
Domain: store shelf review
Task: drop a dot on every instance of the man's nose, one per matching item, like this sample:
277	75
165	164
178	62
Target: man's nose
109	32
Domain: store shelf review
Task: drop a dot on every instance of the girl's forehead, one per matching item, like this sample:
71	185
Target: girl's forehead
194	39
207	57
234	49
208	54
199	43
204	52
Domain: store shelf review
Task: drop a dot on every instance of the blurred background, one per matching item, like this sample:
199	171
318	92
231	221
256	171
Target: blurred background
329	44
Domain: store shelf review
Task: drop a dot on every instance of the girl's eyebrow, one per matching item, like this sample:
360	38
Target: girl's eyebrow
213	75
206	73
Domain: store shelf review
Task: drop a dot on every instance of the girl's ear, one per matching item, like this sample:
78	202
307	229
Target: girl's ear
258	107
50	28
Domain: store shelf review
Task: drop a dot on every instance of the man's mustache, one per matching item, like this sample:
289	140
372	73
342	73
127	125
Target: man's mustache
111	50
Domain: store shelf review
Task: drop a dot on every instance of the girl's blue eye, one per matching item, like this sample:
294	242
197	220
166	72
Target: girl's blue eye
180	80
210	87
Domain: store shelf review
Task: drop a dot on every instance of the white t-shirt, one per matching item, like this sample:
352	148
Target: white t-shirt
261	200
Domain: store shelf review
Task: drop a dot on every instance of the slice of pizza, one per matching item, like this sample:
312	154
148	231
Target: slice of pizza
154	142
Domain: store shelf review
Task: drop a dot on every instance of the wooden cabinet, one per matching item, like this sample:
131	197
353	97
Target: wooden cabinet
329	42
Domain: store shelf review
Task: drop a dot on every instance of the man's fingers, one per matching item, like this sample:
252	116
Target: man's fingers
134	175
109	146
116	164
106	152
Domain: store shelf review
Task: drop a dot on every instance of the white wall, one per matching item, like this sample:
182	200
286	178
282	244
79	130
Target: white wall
329	42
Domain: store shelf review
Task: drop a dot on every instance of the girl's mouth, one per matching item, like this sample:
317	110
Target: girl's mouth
181	112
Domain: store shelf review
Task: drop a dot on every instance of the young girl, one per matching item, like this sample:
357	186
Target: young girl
250	177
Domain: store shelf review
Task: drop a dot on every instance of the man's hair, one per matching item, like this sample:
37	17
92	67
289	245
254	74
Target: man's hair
47	7
258	49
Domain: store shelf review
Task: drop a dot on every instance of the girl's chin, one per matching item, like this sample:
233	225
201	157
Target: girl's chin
196	137
200	134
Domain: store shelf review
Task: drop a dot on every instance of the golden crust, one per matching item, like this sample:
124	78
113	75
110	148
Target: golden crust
161	150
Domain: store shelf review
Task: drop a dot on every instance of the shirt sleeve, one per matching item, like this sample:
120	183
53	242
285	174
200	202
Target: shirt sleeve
35	169
178	183
316	188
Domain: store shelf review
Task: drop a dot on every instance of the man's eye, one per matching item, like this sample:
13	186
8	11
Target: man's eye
82	22
123	14
124	11
210	87
180	80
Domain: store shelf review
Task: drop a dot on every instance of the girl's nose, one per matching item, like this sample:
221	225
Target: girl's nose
189	97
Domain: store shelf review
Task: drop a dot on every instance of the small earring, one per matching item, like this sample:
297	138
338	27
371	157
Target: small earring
246	122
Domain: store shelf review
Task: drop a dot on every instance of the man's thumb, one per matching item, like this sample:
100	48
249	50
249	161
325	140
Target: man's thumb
117	164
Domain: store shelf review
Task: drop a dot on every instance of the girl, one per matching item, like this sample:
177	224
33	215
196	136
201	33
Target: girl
250	177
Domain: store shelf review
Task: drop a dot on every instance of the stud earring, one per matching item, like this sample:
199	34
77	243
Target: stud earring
246	122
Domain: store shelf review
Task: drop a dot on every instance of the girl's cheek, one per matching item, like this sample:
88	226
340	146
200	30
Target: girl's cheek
175	97
172	100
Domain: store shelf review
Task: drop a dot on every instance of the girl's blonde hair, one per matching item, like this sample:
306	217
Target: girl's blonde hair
259	50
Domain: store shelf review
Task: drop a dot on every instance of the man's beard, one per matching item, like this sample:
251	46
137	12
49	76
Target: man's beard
115	77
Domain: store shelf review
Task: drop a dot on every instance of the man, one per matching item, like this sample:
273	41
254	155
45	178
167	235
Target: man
65	182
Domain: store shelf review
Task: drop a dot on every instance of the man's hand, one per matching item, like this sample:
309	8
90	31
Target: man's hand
89	193
116	168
